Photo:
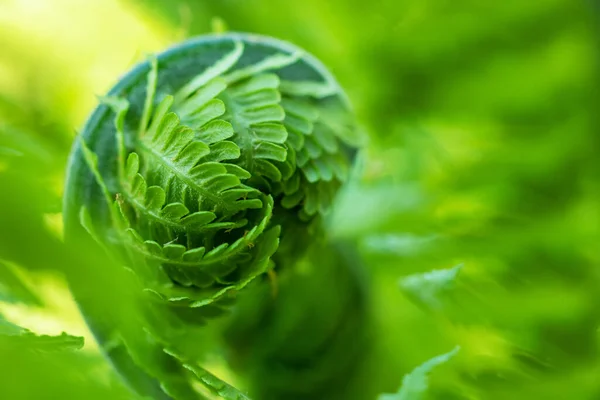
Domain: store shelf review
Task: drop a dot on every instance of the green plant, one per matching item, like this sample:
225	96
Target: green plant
482	154
205	171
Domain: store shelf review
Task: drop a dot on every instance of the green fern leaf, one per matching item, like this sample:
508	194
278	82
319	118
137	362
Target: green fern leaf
13	288
416	383
15	336
429	289
216	386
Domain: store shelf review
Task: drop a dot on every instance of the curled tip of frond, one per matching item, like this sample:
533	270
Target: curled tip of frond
208	165
200	170
211	162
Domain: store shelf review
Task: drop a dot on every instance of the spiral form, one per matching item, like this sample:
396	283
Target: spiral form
202	171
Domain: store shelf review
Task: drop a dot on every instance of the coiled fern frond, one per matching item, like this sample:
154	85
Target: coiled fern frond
194	168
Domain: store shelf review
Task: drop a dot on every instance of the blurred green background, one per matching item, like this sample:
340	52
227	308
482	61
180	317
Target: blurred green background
483	152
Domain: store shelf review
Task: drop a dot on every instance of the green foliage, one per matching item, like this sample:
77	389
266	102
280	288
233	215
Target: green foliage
17	337
12	287
415	384
55	362
482	151
430	288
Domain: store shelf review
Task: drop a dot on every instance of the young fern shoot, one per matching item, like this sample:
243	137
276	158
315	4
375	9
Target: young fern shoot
194	168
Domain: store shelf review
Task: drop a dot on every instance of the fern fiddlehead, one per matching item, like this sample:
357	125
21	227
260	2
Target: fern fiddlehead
202	171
